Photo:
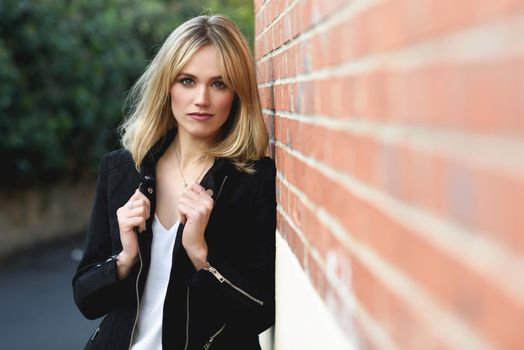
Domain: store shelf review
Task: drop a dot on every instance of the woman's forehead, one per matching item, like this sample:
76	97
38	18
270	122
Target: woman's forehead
204	64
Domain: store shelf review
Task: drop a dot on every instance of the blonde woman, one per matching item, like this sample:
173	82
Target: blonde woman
180	249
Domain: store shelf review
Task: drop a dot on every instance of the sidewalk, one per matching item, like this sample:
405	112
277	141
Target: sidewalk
36	301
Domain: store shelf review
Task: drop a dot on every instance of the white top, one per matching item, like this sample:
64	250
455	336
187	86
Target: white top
148	331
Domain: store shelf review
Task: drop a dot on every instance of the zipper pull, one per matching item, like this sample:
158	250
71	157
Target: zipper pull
215	273
113	257
96	332
211	338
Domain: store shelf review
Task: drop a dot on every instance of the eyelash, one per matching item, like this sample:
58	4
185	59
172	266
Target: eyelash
184	81
222	85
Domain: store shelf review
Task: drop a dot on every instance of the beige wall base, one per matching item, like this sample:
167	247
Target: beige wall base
302	320
29	217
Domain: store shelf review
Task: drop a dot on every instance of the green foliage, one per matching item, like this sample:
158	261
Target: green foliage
65	67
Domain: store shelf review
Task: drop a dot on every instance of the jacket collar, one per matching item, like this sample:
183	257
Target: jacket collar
148	166
211	180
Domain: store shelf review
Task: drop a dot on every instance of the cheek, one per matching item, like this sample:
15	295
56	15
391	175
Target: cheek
173	98
226	102
179	96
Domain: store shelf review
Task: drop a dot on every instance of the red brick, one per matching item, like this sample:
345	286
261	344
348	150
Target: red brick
293	240
479	97
477	198
469	293
394	314
391	25
483	97
266	98
258	5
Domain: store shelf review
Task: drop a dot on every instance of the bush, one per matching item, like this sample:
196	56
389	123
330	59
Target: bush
65	67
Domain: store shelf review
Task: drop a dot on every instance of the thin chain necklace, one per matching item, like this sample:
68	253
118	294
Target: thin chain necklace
181	173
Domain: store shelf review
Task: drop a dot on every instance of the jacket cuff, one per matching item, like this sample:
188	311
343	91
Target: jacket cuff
96	279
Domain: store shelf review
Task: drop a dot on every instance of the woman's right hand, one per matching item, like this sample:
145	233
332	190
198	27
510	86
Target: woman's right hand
131	215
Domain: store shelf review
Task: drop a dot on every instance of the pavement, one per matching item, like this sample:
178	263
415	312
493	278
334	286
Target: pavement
37	310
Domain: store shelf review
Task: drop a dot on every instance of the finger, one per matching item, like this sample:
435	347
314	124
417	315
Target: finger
135	195
141	203
142	200
182	213
197	203
186	202
139	196
191	196
129	205
132	209
130	223
141	211
194	213
190	213
196	195
200	204
193	188
196	188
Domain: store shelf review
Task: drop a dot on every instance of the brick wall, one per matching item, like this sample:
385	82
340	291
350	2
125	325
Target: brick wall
398	131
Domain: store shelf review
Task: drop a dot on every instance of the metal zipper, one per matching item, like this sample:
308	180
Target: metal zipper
187	319
136	290
187	301
222	279
95	334
211	338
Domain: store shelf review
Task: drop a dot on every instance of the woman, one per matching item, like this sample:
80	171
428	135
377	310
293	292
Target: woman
180	249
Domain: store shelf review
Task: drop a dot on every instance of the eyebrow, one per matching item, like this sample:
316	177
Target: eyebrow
195	77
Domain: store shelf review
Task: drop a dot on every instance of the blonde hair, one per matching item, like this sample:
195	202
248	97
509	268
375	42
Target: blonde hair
244	135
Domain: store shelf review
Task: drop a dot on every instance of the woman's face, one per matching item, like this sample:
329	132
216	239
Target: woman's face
200	100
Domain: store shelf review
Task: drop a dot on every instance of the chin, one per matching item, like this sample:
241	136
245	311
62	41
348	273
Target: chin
203	134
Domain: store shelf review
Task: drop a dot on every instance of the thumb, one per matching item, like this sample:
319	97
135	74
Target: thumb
135	195
209	192
182	217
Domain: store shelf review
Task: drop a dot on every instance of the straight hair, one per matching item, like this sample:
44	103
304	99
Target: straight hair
243	136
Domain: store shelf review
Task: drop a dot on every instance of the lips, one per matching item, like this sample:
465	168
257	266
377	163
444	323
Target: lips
200	116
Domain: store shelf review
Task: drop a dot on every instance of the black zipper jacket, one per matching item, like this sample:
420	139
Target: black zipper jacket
224	306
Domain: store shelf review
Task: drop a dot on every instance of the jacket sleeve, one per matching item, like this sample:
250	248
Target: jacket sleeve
242	295
96	283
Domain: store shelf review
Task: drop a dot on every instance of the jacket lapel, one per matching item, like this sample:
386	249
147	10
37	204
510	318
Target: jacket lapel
211	180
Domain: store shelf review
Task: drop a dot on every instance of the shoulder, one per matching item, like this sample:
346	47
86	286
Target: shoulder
117	169
264	167
262	170
115	159
265	173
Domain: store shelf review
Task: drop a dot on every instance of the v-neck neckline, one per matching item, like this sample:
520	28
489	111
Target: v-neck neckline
163	227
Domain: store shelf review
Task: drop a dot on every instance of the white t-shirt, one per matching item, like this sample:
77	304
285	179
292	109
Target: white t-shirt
148	331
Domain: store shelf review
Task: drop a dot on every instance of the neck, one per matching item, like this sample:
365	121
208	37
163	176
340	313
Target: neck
190	151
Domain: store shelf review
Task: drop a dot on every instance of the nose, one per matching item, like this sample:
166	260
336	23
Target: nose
202	96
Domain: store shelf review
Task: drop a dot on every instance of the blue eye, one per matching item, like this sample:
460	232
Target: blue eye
186	81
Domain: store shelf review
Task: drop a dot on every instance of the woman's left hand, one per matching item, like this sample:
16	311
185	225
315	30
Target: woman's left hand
195	207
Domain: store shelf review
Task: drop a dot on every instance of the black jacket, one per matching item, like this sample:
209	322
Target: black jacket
223	307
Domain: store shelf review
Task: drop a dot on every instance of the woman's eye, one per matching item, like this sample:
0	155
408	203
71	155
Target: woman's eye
186	81
219	84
